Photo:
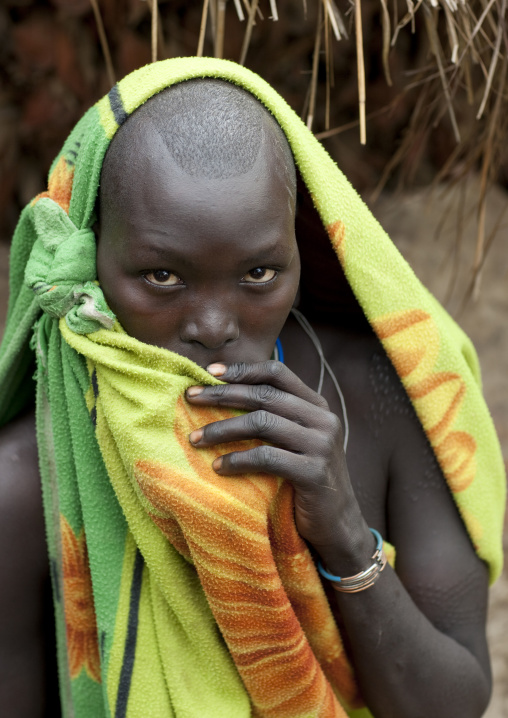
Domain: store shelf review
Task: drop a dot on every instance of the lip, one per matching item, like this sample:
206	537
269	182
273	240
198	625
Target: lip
239	355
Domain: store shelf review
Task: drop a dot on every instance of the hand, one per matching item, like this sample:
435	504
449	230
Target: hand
305	446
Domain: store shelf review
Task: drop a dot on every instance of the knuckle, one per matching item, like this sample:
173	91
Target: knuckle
332	437
330	444
265	456
326	440
334	424
275	369
262	421
324	445
321	402
219	391
322	469
266	394
237	371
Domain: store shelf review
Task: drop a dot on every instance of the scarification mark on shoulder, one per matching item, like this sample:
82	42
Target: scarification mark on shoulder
389	397
390	404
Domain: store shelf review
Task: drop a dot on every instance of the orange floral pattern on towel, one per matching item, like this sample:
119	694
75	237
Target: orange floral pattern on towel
82	644
411	340
257	573
60	184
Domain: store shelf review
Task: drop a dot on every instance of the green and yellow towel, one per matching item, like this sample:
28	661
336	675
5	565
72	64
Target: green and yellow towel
179	592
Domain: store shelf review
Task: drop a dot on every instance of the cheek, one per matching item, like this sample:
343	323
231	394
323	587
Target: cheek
143	316
291	285
265	318
140	314
121	290
107	272
148	321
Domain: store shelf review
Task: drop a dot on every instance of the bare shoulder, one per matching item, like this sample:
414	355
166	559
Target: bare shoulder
22	540
19	434
24	573
19	472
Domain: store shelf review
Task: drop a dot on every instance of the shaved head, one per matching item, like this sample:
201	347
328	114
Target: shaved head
210	128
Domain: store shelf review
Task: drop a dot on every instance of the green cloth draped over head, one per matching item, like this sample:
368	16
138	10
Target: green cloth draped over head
147	574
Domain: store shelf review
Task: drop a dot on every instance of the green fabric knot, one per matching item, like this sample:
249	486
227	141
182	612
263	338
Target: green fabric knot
62	270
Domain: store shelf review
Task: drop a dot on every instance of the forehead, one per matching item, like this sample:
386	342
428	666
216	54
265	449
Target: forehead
141	182
150	205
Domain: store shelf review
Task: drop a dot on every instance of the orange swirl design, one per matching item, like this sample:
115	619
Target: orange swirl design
411	340
257	573
337	233
81	626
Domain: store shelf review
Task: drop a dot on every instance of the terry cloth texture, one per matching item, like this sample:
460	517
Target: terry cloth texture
178	592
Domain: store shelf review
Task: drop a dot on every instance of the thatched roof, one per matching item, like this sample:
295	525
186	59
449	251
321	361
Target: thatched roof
421	83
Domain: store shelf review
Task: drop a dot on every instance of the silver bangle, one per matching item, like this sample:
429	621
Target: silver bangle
364	579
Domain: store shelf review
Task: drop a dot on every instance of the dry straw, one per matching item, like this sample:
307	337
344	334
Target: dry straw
104	42
466	65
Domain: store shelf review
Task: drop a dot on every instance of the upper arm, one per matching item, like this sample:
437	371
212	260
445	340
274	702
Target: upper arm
23	571
435	558
23	554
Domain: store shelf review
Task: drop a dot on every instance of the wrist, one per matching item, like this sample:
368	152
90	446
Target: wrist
351	553
363	579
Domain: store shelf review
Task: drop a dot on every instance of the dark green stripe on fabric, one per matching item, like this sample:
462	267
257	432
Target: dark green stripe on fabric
55	578
124	685
116	104
95	388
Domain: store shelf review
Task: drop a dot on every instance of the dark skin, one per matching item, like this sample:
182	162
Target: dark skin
24	572
210	268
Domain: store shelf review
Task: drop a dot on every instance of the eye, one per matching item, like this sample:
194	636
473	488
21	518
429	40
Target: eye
162	278
259	275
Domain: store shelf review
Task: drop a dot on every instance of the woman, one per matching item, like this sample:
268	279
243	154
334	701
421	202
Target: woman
200	230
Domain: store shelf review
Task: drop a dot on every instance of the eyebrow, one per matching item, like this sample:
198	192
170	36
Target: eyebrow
166	253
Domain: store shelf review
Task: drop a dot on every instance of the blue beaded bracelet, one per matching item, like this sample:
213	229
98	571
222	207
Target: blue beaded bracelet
364	579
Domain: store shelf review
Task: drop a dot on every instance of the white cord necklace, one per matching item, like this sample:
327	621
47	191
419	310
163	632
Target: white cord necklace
323	364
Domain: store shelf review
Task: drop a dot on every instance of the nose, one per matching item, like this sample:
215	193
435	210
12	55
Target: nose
213	326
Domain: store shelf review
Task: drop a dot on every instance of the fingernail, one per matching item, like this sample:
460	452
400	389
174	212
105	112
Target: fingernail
194	390
195	436
216	369
217	464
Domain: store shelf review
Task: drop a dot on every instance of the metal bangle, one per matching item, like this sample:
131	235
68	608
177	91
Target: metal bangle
364	579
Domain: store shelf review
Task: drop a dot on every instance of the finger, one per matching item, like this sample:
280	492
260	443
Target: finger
265	397
259	425
271	372
300	470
